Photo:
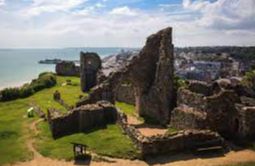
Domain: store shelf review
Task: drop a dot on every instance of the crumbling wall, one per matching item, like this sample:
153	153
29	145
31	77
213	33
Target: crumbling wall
151	73
192	99
67	68
219	110
90	64
200	87
64	125
184	117
82	119
125	93
163	144
245	122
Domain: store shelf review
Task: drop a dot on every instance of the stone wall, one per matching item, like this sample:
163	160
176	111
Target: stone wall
125	93
152	74
67	68
185	117
245	122
192	99
224	110
163	144
82	119
218	110
200	87
221	112
90	65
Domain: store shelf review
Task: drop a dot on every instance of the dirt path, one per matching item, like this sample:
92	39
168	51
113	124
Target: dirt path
31	141
145	129
171	160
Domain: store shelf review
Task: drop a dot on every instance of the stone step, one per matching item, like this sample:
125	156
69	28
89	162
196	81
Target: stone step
210	143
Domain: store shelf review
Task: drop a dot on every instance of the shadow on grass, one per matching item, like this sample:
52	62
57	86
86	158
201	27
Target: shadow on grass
83	160
70	132
7	134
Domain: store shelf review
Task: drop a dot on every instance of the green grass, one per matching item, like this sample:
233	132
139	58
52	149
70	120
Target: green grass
69	93
109	142
172	130
126	108
14	128
12	135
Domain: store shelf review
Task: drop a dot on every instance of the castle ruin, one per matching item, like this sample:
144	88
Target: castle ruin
90	64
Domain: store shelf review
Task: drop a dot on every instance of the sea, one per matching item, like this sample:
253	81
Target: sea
19	66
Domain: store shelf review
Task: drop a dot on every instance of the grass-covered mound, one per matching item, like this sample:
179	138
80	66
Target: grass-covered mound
45	80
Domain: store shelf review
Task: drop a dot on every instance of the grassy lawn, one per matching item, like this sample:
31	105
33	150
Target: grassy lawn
12	133
14	128
69	93
108	142
126	108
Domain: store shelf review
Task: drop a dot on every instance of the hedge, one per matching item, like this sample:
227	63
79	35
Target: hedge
45	80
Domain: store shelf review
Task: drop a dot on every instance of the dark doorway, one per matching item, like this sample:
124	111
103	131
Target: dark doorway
236	125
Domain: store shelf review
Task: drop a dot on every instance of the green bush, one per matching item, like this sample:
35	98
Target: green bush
45	80
179	82
9	94
249	80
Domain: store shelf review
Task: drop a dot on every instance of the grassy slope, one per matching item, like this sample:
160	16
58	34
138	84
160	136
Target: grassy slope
12	135
14	128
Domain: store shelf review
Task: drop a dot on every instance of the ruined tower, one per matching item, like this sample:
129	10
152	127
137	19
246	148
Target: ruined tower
152	75
90	64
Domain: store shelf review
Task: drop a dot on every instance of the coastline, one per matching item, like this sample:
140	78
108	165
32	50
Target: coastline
14	85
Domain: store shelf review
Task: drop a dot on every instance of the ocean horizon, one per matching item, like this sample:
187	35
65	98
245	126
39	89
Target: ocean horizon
19	66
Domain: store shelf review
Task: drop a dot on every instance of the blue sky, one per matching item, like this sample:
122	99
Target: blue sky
124	23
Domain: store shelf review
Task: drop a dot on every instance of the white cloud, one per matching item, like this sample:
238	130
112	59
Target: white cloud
196	5
2	2
41	6
224	14
204	23
126	11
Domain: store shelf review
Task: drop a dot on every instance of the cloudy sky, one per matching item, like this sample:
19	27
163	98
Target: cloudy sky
124	23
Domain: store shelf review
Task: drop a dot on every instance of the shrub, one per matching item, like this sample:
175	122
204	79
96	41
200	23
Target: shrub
45	80
179	82
10	94
249	80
